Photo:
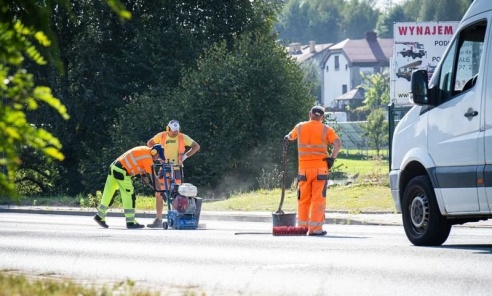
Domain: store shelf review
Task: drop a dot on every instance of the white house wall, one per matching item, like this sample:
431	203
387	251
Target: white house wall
333	80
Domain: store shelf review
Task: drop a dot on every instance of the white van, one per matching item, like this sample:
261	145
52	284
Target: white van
441	164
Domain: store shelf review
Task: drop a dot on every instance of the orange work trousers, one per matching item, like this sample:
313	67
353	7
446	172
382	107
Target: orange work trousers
311	198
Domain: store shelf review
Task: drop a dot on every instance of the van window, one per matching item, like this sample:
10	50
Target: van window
462	62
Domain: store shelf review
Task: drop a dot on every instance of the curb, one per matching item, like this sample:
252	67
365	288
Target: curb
343	218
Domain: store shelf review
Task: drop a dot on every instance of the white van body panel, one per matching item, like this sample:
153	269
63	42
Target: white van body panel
441	156
487	126
448	144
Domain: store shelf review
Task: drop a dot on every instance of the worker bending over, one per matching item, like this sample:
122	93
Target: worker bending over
134	162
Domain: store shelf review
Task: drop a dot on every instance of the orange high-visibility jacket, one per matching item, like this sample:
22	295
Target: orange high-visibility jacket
137	160
313	138
181	145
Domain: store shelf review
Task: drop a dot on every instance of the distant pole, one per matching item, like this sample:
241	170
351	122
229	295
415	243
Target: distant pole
391	129
4	104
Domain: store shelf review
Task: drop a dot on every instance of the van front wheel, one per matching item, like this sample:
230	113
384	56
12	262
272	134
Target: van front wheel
423	223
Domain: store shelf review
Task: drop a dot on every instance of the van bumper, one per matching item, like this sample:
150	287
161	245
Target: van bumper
394	178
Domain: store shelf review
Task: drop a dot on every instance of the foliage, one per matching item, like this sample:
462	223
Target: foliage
385	23
312	75
326	20
270	179
439	10
377	90
25	32
244	102
125	62
376	130
19	96
359	17
14	284
122	81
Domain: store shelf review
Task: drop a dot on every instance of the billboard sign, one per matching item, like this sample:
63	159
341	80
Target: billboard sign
417	45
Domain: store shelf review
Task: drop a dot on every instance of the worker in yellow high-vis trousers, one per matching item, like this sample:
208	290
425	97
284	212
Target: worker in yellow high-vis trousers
136	161
174	143
313	140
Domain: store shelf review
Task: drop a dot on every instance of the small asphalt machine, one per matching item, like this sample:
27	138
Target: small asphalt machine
183	206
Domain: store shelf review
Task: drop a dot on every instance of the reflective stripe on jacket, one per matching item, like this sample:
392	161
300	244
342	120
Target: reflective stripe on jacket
311	142
137	160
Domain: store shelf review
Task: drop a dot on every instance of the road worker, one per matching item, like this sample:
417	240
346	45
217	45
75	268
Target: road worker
174	143
313	140
135	162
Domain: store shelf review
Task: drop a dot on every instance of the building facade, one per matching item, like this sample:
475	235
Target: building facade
344	62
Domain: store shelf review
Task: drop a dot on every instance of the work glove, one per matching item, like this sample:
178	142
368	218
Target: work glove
286	139
330	161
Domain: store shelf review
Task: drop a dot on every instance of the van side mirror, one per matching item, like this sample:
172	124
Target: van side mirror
420	87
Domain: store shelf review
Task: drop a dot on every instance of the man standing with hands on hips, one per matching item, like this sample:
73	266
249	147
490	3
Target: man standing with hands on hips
174	143
313	140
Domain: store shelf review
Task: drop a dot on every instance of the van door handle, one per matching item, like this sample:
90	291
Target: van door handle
471	113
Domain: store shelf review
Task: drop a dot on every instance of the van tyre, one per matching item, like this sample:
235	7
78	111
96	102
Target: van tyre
423	223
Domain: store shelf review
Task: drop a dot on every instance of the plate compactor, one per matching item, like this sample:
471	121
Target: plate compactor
183	206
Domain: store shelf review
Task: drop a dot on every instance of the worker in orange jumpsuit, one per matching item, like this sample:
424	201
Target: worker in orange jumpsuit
313	140
136	161
174	143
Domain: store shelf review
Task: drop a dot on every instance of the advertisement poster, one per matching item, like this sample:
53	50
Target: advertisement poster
417	45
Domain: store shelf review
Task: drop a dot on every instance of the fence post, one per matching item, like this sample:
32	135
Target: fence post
391	129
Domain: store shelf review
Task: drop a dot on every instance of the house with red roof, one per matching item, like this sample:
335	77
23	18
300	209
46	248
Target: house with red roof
344	62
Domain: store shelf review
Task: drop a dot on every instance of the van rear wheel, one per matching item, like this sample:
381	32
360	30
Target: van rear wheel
423	223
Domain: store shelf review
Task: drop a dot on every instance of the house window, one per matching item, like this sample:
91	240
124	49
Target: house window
337	63
377	70
327	68
344	88
346	67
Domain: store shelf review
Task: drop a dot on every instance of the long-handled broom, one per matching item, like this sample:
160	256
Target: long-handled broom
285	223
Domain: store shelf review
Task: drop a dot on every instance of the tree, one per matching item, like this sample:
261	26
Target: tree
293	21
440	10
124	62
376	90
237	104
376	130
24	33
384	26
304	21
359	17
312	75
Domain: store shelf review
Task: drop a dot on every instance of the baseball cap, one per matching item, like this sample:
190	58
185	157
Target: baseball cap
174	125
318	110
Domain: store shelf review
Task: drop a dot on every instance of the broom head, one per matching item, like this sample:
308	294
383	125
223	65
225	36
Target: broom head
289	230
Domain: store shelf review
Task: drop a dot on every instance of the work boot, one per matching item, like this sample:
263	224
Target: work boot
156	224
134	225
100	221
322	233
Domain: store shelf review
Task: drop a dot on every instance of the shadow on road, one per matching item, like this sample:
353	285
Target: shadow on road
481	249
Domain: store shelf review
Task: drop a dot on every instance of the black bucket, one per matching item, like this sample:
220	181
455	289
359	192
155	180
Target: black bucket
284	219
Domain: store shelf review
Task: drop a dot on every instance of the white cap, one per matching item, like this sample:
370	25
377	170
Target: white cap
174	125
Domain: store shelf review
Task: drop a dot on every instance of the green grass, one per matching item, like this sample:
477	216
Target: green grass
354	199
369	191
15	284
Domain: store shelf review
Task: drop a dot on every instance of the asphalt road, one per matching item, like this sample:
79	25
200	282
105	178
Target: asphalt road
243	258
